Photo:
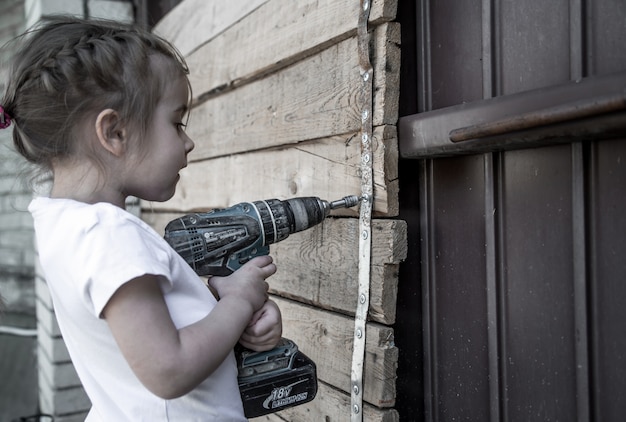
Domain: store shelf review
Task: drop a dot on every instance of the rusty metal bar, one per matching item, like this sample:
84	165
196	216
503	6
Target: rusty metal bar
589	108
562	113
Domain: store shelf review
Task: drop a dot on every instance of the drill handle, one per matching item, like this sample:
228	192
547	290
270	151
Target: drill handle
236	260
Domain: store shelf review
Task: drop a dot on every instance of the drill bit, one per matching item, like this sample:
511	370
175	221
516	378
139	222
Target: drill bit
345	202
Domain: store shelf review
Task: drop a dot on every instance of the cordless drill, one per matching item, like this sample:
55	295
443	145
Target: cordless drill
219	242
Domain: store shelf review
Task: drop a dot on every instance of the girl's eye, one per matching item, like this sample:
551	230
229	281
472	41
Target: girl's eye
181	126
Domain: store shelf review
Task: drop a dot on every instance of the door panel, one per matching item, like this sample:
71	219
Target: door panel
538	336
533	41
456	286
520	245
607	237
456	54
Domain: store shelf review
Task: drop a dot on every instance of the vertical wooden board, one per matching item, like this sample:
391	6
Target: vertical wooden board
328	168
327	337
386	58
194	22
279	33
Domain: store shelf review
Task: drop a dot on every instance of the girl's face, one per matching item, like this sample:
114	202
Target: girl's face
153	172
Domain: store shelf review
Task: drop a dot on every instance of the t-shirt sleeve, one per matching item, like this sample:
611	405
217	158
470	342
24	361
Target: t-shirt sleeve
113	253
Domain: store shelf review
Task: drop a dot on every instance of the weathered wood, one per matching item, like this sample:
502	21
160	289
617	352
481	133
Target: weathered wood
194	22
314	98
386	65
328	168
329	404
276	115
326	337
278	34
320	266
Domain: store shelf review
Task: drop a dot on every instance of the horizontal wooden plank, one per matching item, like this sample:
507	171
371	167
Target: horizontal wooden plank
315	98
326	337
194	22
329	404
276	35
297	104
328	168
320	266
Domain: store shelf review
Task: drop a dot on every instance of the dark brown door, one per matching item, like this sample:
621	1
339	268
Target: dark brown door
513	182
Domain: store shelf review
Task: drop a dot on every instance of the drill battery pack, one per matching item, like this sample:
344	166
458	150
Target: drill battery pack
275	380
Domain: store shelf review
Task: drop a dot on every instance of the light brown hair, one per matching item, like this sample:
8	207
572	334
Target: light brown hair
69	68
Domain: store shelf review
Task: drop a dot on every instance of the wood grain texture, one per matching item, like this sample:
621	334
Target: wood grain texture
278	34
315	98
194	22
328	168
326	338
276	114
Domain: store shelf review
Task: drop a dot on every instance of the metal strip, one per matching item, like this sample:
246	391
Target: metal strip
490	87
501	292
365	243
488	50
424	79
429	299
427	134
579	250
543	117
492	288
579	244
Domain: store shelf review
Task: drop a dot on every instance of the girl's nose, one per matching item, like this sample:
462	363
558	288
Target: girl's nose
189	144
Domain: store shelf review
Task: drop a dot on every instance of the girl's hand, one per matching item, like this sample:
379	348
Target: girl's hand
247	283
264	330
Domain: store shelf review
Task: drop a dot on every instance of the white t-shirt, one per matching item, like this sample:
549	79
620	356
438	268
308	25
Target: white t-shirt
87	252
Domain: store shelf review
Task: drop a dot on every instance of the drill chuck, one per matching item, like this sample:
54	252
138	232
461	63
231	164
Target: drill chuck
220	241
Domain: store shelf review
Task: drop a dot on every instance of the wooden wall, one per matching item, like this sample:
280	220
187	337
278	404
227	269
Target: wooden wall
276	115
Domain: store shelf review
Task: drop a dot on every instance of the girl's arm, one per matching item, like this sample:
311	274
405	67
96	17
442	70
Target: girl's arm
171	362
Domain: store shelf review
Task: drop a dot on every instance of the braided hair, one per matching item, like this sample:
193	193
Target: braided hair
69	68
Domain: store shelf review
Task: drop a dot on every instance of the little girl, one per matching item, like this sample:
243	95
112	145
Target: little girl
102	107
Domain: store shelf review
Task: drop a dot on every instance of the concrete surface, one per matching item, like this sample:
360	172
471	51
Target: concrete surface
18	368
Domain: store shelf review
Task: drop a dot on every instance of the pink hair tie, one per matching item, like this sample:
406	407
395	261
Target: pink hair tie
5	119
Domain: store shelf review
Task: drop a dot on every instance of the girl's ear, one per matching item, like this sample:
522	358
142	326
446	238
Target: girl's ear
111	133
